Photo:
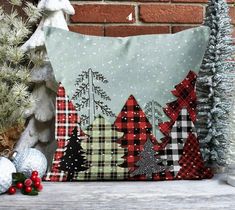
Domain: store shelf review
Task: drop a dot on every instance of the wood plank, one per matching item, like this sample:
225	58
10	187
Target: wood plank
186	195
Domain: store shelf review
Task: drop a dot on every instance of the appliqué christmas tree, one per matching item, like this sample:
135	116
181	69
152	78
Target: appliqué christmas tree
73	160
181	135
178	136
102	152
128	149
191	161
149	164
66	120
133	122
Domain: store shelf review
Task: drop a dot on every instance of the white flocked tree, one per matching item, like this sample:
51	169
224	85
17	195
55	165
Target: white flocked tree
39	131
215	85
231	153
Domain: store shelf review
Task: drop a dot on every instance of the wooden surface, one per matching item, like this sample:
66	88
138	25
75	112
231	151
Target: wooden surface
171	195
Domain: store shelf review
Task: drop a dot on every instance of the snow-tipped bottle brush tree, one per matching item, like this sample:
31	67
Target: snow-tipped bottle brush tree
215	85
15	66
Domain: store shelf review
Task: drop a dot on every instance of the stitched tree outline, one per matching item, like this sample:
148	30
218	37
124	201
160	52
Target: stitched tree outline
87	93
154	112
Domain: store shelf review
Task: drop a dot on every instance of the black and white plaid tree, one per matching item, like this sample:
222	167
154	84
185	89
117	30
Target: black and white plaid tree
178	136
149	163
74	160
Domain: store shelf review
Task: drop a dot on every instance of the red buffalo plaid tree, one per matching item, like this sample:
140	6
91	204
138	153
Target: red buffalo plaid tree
182	114
66	119
133	122
191	162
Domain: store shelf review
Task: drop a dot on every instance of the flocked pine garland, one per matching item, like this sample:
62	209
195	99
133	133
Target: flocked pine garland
215	85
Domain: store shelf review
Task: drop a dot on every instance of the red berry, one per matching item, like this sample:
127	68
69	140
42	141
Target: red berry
34	173
28	189
37	184
40	188
33	178
38	179
28	182
12	190
19	185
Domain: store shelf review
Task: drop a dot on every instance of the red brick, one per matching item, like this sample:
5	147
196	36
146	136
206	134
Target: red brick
232	14
176	29
191	1
171	13
103	13
143	0
89	30
197	1
151	0
122	31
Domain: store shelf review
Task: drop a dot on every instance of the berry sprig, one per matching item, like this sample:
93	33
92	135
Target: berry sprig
27	186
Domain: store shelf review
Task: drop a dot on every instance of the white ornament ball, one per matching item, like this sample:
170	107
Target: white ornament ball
6	170
30	160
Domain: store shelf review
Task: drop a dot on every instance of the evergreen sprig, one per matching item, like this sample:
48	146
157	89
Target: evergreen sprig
104	108
100	92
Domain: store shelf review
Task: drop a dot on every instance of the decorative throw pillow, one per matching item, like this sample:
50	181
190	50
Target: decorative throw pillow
126	107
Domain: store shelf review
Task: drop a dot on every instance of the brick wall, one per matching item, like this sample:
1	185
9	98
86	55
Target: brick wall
133	17
123	18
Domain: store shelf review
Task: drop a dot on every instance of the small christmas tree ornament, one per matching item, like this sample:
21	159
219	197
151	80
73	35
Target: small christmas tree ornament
30	160
6	170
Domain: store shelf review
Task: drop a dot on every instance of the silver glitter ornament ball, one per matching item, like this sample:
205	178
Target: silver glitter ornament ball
6	170
30	160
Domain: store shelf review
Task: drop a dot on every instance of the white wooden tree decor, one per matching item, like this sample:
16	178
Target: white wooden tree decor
39	132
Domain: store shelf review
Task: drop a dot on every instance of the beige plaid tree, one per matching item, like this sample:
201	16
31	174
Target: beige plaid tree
103	154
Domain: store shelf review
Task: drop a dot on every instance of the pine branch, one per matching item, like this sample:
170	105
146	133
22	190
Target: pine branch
81	77
99	77
99	91
148	115
157	105
148	111
84	119
104	108
14	68
83	103
81	90
32	12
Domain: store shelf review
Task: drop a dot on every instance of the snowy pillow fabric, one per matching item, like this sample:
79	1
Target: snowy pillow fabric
126	107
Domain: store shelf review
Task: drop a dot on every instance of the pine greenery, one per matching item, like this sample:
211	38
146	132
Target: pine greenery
15	65
215	85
